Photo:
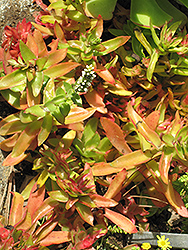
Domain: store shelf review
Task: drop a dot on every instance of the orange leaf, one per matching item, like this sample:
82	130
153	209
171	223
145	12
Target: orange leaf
47	206
26	223
40	42
96	101
60	69
164	165
132	159
55	57
121	221
175	199
16	211
116	184
152	119
141	126
103	168
26	138
105	74
56	237
32	44
35	199
10	161
115	135
102	201
9	143
79	114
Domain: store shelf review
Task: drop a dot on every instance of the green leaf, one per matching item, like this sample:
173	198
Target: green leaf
104	145
45	129
59	195
26	53
27	117
93	142
13	98
85	213
36	110
64	108
142	39
15	78
12	127
113	44
36	83
90	129
168	139
152	64
60	69
185	2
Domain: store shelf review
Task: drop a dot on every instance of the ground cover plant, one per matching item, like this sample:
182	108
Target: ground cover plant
103	121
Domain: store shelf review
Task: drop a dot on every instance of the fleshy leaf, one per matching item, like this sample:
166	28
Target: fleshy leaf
141	126
36	83
164	163
56	237
102	201
26	137
113	44
79	114
35	199
132	159
115	135
59	195
121	221
47	206
96	101
13	79
16	211
175	200
152	119
45	129
55	57
85	213
116	184
60	69
103	168
27	54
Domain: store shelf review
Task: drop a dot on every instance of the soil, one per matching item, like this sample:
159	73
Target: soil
10	14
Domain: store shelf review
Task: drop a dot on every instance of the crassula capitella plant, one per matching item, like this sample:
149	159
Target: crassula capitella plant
106	133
